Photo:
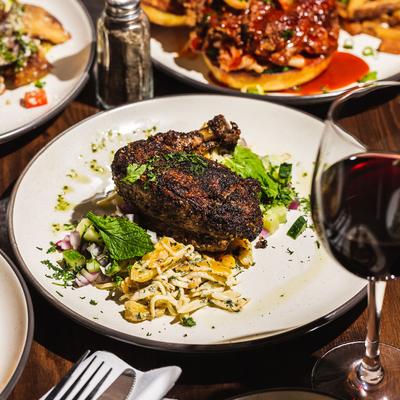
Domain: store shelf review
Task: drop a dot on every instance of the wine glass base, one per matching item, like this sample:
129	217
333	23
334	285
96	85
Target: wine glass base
331	373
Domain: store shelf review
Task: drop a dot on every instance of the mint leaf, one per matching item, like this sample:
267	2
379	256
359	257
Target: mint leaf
134	172
248	165
123	239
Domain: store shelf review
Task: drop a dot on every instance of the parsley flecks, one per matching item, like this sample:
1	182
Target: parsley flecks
40	84
188	322
59	274
155	165
93	302
52	248
287	34
134	172
123	239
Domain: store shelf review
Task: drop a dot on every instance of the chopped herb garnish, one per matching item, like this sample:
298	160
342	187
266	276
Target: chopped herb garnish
52	248
289	251
368	51
348	44
60	294
371	76
39	248
134	172
287	34
40	84
188	322
59	274
93	302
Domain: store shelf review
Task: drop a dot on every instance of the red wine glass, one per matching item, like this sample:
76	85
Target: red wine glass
356	212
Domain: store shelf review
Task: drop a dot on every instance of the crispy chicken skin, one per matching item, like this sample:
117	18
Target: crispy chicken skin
200	202
41	24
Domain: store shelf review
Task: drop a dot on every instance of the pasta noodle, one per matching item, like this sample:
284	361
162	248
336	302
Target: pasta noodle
175	279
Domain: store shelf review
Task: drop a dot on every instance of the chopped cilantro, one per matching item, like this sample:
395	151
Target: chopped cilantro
52	248
188	322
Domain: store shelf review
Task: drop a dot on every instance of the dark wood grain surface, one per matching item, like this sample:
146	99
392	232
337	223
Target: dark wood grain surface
58	341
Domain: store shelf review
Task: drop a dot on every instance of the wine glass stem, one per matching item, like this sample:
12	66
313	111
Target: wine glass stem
369	370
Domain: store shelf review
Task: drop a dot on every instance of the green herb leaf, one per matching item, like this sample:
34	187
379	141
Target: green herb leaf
248	165
134	172
40	84
285	171
188	322
123	239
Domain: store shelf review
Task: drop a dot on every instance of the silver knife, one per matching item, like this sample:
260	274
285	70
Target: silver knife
121	388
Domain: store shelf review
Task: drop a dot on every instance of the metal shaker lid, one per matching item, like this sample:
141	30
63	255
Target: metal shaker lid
122	8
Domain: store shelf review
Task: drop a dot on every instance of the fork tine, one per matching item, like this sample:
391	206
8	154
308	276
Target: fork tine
66	394
84	386
52	395
93	393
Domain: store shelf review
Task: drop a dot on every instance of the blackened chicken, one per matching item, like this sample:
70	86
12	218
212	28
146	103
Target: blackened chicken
182	194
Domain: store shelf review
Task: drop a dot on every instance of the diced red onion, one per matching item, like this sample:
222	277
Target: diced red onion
84	277
294	205
94	250
64	244
264	233
75	240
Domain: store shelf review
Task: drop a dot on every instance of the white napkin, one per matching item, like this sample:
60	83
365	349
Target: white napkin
150	385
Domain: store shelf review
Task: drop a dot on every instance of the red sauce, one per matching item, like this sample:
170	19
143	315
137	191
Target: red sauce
343	70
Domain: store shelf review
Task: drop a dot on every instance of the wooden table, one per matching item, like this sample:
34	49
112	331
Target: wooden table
58	341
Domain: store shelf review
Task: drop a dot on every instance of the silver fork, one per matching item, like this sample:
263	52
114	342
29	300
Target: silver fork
65	381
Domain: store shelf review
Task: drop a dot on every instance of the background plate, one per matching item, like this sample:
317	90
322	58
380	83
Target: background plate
284	394
167	44
16	322
71	61
293	283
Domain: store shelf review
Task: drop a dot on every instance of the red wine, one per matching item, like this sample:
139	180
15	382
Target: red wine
358	213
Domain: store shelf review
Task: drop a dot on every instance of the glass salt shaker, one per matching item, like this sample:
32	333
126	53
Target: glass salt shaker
123	70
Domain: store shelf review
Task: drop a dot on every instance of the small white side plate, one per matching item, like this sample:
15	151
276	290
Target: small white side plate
16	325
71	61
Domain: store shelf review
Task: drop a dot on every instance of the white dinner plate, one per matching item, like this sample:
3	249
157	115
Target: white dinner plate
71	61
16	325
293	283
285	394
167	45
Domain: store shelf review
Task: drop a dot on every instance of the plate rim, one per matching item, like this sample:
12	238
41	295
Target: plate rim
155	344
15	133
30	329
276	98
282	389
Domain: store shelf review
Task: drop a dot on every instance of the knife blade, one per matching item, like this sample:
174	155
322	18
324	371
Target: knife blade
121	388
